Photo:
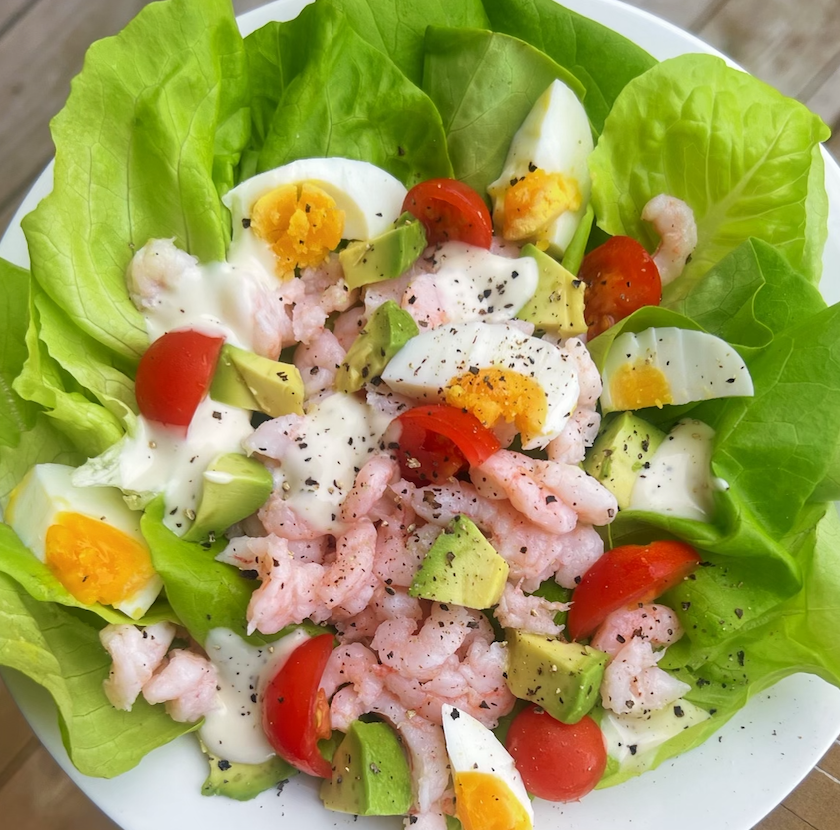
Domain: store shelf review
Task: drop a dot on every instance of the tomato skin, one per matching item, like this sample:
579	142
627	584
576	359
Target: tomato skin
557	761
450	210
627	575
174	375
295	713
620	278
438	441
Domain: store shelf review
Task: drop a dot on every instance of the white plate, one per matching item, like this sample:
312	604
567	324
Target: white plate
729	783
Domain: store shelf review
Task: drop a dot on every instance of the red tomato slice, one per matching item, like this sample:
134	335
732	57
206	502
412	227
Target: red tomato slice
626	575
296	714
557	761
174	375
438	441
620	278
450	209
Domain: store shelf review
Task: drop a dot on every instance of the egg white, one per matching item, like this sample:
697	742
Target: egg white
555	137
472	747
46	491
424	367
696	365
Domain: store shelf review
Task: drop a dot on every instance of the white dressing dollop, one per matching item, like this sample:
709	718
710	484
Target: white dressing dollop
678	480
233	730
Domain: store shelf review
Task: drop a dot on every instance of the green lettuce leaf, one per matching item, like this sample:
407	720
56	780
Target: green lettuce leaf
737	151
148	137
484	84
62	652
601	59
350	100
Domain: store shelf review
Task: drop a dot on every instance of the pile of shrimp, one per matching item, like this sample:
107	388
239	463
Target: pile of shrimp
401	657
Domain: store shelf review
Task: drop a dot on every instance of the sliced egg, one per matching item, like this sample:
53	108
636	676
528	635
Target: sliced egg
88	538
493	370
542	192
294	215
489	793
661	366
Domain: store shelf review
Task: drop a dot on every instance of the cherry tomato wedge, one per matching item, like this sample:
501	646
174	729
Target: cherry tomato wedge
450	209
296	714
620	278
438	441
174	375
557	761
626	575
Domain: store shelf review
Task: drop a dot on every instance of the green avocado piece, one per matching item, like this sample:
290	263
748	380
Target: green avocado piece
370	773
562	677
461	567
235	486
243	782
620	453
250	381
387	331
557	304
385	256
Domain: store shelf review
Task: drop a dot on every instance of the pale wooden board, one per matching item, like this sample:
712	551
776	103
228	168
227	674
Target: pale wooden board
15	734
11	10
824	96
682	14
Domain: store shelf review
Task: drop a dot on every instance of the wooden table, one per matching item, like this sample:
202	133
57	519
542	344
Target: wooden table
795	46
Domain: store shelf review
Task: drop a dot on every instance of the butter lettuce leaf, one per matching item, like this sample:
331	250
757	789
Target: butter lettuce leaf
601	59
484	84
61	651
737	151
149	136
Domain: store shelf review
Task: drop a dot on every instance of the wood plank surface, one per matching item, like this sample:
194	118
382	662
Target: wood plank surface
792	45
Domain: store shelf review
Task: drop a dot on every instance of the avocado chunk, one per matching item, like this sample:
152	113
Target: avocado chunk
557	304
370	773
621	452
461	567
385	256
387	331
235	486
562	677
250	381
243	782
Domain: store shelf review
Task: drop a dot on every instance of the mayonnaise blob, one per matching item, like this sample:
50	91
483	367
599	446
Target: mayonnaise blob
233	730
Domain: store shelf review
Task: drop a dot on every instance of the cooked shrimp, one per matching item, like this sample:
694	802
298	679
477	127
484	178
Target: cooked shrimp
135	654
656	624
569	447
348	581
318	362
422	300
399	553
634	685
186	683
370	486
387	603
347	326
528	613
674	221
153	269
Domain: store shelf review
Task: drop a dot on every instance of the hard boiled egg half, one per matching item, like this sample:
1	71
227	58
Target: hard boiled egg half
489	793
542	192
293	216
493	370
88	538
659	366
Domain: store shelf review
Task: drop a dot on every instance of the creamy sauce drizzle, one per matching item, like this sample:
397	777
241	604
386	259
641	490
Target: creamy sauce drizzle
233	730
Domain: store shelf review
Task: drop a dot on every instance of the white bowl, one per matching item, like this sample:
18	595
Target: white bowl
729	783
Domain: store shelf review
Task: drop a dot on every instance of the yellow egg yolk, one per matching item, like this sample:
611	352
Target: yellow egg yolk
94	561
535	201
495	393
486	802
301	224
637	385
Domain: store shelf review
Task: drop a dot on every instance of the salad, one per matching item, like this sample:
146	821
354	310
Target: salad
167	229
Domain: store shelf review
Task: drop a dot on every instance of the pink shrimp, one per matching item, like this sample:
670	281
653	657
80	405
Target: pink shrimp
324	292
387	603
135	655
528	613
400	551
186	684
318	362
347	326
423	302
569	447
634	685
656	624
348	581
370	486
674	221
153	269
